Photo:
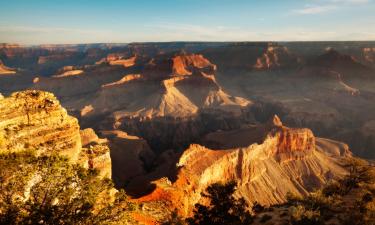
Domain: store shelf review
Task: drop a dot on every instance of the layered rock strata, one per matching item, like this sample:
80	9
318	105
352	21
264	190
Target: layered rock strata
286	160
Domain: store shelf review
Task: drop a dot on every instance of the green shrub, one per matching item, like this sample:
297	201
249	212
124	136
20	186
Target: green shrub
223	208
302	216
51	190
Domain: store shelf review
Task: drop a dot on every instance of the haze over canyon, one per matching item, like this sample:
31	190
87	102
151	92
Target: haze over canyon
167	120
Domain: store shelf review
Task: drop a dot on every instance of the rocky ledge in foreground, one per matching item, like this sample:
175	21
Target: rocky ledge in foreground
35	121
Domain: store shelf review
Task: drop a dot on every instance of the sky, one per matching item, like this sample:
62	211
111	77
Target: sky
124	21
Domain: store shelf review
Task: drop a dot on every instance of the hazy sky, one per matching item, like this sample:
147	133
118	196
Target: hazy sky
84	21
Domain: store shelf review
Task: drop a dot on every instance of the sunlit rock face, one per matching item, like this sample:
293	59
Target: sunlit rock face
4	70
36	120
286	160
95	153
276	57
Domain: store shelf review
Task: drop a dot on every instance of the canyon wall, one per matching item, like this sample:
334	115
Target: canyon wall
287	160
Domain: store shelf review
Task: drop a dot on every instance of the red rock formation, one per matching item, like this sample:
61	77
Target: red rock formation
36	120
188	64
286	161
125	79
121	59
186	84
276	57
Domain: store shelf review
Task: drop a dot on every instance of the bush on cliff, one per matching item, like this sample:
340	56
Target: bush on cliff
223	207
51	190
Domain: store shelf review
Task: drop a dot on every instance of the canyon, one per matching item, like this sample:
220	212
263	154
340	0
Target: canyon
265	169
167	120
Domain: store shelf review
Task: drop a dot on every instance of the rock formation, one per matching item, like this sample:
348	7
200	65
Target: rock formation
253	57
130	156
325	86
122	59
89	137
69	71
187	85
35	121
5	70
276	57
344	64
287	160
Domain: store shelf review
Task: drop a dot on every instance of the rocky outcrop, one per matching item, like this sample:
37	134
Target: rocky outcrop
69	71
5	70
188	64
165	89
124	62
287	160
247	57
347	65
276	57
187	84
369	55
125	79
95	153
97	156
121	59
88	136
35	120
130	155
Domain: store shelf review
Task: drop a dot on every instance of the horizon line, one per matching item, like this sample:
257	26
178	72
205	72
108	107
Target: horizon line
160	42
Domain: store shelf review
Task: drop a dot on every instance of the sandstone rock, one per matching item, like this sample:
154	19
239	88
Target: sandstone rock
69	73
88	136
121	59
287	160
187	64
36	80
276	57
97	157
36	120
187	84
5	70
130	156
125	79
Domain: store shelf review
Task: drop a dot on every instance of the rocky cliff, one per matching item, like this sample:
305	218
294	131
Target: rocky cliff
6	70
131	156
277	57
35	121
287	160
